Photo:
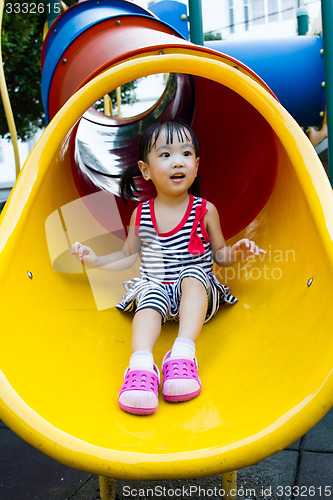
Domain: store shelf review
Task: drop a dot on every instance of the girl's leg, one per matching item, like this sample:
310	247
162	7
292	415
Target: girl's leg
146	329
139	392
192	309
192	313
185	383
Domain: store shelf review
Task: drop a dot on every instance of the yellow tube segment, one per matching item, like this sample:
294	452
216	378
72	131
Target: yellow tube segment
268	379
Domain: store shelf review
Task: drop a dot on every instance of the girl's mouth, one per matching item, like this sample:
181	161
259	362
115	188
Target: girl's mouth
177	177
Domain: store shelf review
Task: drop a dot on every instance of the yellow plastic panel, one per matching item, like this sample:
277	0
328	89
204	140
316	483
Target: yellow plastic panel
268	378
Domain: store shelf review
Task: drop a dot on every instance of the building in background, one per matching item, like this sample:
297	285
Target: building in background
7	161
239	19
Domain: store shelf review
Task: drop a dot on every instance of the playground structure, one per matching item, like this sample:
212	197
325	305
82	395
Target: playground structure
62	360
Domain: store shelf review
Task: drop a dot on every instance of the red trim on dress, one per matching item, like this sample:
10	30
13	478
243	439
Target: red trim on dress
181	223
202	224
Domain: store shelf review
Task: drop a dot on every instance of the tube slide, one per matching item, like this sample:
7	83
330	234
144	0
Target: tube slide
64	345
292	67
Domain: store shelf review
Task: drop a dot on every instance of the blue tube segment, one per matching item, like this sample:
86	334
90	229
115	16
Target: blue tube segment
74	22
171	12
292	67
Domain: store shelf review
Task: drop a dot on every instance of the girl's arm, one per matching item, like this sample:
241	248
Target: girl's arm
116	261
223	254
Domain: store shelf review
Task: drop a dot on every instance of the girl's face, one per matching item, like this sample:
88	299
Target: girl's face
171	167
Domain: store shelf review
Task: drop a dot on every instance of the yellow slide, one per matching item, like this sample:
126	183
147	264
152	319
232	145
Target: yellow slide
64	345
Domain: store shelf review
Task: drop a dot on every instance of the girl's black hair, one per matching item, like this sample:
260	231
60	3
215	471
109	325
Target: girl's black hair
147	140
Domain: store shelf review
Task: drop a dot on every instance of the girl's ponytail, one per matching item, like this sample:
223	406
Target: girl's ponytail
127	185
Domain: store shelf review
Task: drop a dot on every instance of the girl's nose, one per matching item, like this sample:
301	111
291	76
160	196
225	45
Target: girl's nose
177	162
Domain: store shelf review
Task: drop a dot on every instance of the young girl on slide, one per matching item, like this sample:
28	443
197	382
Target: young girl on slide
178	235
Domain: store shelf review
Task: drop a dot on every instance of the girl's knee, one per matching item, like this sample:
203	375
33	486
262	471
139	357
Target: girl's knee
189	281
194	276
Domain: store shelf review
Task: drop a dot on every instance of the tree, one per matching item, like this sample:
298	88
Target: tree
22	35
22	39
209	35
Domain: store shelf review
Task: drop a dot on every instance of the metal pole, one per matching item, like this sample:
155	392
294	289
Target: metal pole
302	20
107	489
327	16
196	29
53	10
229	485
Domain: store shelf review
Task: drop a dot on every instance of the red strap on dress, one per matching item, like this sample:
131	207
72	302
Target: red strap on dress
195	245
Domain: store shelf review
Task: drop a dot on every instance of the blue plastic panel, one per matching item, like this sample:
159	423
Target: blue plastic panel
292	67
171	12
71	24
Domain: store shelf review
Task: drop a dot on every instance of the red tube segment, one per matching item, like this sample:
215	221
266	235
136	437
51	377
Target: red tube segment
237	147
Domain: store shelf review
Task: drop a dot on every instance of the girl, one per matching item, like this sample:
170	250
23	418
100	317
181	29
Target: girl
178	235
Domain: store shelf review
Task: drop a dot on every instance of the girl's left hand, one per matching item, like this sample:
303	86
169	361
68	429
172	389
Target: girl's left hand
246	248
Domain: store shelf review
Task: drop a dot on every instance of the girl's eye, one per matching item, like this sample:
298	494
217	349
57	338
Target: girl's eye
165	155
187	153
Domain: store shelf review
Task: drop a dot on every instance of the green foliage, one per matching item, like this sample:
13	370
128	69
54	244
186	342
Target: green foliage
21	46
212	36
22	39
127	96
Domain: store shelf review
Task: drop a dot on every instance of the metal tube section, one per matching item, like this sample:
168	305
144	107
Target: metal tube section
196	29
327	16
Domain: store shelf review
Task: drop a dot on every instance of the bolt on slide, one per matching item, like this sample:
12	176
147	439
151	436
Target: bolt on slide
64	345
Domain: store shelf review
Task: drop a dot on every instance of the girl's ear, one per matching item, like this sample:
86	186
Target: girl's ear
144	169
197	163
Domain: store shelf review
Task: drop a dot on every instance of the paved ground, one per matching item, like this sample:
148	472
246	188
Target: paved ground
302	471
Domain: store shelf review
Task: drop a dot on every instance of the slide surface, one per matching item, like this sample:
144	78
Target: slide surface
64	346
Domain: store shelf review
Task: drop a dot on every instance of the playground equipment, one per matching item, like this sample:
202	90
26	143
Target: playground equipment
293	68
62	360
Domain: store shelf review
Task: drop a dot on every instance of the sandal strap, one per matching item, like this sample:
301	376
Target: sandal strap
141	380
178	368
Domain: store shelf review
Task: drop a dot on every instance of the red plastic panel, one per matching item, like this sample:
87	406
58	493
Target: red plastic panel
238	154
102	45
238	157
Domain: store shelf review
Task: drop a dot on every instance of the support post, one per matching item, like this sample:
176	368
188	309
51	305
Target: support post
302	20
195	15
53	11
229	485
107	489
327	16
107	105
118	94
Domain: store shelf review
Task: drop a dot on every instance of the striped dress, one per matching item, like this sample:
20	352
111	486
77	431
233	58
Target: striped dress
166	258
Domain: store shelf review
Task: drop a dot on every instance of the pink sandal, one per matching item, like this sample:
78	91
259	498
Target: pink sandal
184	375
140	380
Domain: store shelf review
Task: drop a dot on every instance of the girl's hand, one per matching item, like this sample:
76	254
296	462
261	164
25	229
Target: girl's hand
245	248
85	255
